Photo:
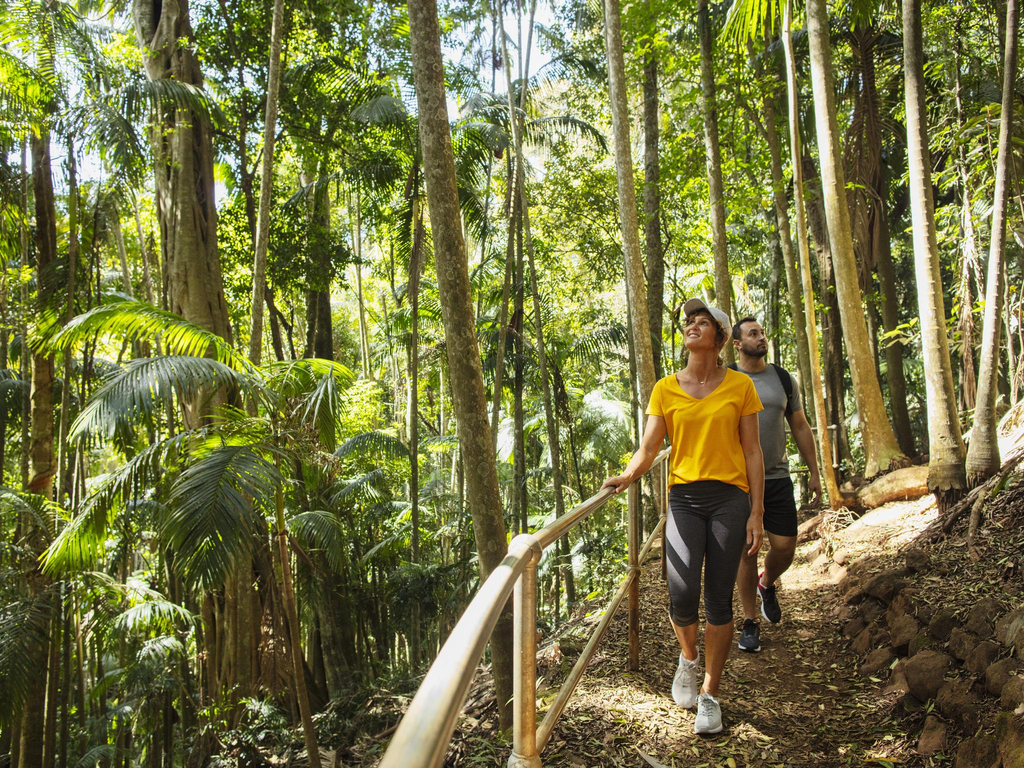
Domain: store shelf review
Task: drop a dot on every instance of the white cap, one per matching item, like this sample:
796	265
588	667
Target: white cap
694	305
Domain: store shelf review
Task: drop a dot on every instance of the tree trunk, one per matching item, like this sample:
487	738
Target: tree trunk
713	156
831	330
413	291
63	464
881	451
796	304
295	645
550	415
44	465
627	196
983	453
518	421
259	271
867	199
469	398
183	161
25	372
652	210
946	478
796	157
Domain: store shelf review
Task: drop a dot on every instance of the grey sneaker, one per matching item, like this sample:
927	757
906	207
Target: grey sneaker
750	636
686	683
709	715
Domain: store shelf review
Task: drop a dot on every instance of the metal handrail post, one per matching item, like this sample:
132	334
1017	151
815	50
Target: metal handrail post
524	675
633	548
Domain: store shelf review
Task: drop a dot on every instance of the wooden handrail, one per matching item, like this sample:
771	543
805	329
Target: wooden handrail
422	736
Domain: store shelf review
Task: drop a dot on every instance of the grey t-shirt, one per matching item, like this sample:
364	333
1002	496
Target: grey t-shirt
772	420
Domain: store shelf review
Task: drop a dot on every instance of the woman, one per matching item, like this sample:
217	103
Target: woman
715	502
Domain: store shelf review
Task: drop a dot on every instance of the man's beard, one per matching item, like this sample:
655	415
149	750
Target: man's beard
754	351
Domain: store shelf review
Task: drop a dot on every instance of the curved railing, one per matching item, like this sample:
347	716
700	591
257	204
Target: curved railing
422	737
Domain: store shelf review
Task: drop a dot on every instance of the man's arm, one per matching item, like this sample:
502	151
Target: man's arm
804	438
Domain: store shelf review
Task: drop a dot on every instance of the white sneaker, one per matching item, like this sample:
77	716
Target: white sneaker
709	715
686	683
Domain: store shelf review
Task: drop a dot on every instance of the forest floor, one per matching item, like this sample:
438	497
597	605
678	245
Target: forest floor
802	700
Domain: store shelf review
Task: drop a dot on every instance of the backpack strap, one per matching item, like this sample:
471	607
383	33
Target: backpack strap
787	384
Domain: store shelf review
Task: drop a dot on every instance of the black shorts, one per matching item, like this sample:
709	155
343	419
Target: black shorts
779	507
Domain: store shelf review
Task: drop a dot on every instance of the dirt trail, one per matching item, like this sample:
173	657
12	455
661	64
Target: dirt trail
799	702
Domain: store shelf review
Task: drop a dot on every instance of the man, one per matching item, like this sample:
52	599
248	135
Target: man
778	393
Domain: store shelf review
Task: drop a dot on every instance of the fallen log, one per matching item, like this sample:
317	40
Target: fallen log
900	485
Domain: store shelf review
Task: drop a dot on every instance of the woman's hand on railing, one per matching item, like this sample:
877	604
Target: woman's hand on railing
619	483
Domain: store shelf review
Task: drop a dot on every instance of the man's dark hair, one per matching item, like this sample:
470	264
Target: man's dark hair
737	330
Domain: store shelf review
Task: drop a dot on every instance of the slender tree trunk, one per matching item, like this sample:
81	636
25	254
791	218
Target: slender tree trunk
796	304
796	157
499	360
946	478
469	398
295	644
65	684
122	254
652	210
25	373
364	334
881	451
44	465
413	290
52	686
259	271
713	156
518	419
983	454
550	416
627	196
64	471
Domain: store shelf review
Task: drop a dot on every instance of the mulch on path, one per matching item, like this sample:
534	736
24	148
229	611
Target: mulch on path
798	702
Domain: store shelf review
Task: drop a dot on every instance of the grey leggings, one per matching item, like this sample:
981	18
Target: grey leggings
707	526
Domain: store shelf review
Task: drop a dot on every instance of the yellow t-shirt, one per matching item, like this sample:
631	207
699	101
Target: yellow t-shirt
705	433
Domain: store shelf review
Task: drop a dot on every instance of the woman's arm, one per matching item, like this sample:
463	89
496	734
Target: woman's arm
750	442
650	447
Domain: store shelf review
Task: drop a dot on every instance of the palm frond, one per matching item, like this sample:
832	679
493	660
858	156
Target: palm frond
135	320
81	542
216	510
146	385
153	614
23	625
590	346
381	110
373	442
320	531
751	19
566	124
364	487
39	509
101	755
170	94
